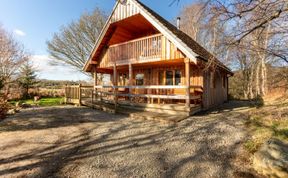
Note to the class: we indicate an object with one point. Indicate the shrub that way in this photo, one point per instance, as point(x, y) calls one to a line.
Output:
point(3, 108)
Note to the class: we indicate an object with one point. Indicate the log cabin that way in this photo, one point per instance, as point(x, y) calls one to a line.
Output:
point(143, 62)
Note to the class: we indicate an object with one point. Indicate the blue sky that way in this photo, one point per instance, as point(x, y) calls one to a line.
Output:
point(33, 22)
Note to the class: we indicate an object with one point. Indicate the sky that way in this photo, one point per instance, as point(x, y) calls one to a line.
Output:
point(33, 23)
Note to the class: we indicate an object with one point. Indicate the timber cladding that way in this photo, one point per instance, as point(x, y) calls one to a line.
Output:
point(148, 60)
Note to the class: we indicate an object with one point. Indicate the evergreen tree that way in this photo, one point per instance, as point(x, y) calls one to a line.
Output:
point(27, 78)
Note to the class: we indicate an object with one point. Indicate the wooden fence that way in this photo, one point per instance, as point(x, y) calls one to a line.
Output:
point(75, 93)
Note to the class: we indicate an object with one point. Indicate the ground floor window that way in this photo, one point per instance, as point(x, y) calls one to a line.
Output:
point(170, 77)
point(123, 79)
point(139, 79)
point(177, 78)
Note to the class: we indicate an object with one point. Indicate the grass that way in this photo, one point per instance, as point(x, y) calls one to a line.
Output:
point(270, 121)
point(41, 102)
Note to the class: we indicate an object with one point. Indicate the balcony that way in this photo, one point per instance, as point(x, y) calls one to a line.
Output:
point(145, 49)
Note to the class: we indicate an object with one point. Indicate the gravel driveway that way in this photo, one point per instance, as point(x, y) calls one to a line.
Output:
point(70, 141)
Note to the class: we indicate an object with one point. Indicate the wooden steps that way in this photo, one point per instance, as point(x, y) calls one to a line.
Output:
point(106, 107)
point(160, 117)
point(163, 113)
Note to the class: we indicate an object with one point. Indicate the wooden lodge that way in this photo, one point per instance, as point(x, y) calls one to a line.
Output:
point(143, 62)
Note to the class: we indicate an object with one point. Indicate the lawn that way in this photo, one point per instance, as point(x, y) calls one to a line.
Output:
point(269, 121)
point(42, 102)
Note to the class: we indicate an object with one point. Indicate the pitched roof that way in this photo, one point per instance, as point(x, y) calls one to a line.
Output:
point(186, 44)
point(190, 42)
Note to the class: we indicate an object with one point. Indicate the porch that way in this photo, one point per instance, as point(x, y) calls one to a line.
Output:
point(114, 99)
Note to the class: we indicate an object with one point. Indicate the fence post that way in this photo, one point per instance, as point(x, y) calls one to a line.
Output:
point(65, 99)
point(80, 94)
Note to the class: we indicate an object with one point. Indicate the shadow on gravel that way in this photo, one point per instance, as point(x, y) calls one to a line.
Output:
point(211, 149)
point(54, 117)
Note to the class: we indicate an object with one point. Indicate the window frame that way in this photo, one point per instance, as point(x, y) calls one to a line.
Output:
point(137, 80)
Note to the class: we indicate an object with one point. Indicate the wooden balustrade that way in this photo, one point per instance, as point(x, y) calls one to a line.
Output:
point(139, 49)
point(74, 94)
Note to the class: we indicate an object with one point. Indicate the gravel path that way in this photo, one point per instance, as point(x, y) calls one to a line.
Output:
point(72, 141)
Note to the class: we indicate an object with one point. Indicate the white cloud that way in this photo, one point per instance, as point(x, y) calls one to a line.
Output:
point(19, 32)
point(53, 72)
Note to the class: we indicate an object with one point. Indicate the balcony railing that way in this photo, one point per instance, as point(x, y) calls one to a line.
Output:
point(143, 49)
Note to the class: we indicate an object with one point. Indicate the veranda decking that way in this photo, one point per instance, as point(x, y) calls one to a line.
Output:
point(115, 99)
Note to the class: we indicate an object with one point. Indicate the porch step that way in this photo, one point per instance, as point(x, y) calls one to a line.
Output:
point(164, 109)
point(160, 117)
point(106, 107)
point(157, 114)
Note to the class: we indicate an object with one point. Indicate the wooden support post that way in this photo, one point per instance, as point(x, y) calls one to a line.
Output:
point(130, 81)
point(115, 84)
point(187, 76)
point(95, 84)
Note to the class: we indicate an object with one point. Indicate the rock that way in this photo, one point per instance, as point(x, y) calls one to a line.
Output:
point(25, 105)
point(11, 111)
point(272, 159)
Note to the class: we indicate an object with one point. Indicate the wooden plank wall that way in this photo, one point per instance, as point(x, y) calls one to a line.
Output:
point(104, 59)
point(196, 79)
point(123, 11)
point(214, 96)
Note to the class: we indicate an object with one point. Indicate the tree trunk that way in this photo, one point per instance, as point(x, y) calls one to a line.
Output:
point(263, 64)
point(250, 84)
point(257, 80)
point(263, 77)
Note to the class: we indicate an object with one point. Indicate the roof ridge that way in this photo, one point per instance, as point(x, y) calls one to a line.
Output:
point(185, 38)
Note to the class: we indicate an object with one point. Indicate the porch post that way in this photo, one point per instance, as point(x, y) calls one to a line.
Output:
point(187, 76)
point(115, 85)
point(95, 79)
point(130, 81)
point(95, 84)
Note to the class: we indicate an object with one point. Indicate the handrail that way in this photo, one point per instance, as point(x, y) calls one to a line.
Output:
point(136, 40)
point(150, 87)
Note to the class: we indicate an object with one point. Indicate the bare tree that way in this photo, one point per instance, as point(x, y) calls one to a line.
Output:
point(246, 34)
point(12, 56)
point(73, 44)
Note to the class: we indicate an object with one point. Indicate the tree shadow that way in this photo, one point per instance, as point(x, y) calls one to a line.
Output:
point(53, 117)
point(131, 147)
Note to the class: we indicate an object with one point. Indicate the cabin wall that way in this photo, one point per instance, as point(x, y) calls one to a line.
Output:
point(124, 11)
point(215, 89)
point(104, 60)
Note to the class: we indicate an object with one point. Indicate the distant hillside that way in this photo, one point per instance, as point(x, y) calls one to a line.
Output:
point(43, 83)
